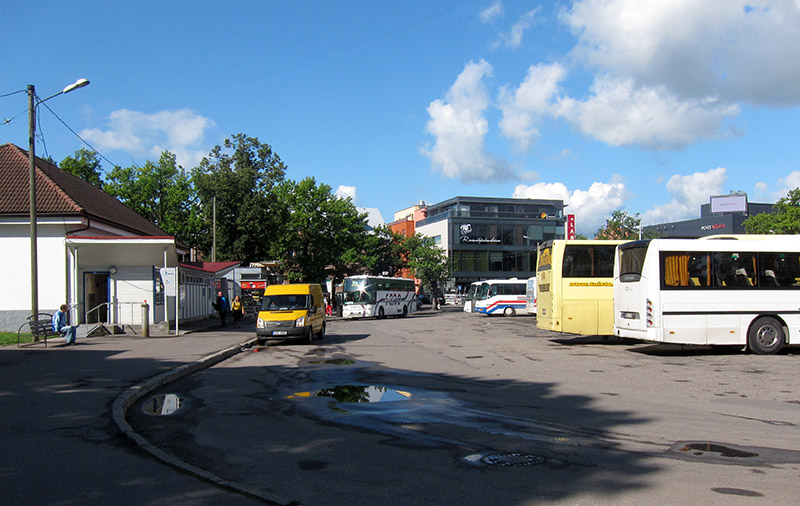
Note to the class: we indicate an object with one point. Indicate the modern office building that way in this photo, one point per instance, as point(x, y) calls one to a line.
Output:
point(489, 238)
point(724, 214)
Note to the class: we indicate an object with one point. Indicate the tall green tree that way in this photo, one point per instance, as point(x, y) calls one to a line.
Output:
point(785, 219)
point(84, 164)
point(161, 192)
point(620, 225)
point(235, 185)
point(428, 262)
point(385, 252)
point(322, 235)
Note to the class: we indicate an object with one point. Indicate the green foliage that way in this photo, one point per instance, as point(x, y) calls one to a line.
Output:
point(161, 192)
point(620, 225)
point(427, 261)
point(385, 252)
point(321, 234)
point(85, 165)
point(785, 219)
point(238, 181)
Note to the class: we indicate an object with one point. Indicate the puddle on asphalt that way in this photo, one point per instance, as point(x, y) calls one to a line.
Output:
point(162, 405)
point(701, 449)
point(357, 394)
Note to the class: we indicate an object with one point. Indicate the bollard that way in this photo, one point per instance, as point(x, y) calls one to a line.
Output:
point(145, 320)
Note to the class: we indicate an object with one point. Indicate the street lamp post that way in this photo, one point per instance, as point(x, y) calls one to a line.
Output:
point(32, 104)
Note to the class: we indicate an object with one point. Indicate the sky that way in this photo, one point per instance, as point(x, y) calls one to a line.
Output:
point(648, 106)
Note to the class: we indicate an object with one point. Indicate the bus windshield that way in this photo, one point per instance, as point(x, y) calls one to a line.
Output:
point(631, 261)
point(358, 291)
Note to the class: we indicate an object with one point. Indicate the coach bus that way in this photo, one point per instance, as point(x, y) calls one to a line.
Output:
point(365, 296)
point(575, 286)
point(530, 296)
point(710, 292)
point(469, 299)
point(501, 296)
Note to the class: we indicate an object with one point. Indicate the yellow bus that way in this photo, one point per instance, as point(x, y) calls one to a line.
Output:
point(575, 284)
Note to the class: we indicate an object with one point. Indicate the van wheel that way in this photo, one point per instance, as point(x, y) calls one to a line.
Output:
point(510, 311)
point(321, 331)
point(309, 335)
point(765, 336)
point(262, 342)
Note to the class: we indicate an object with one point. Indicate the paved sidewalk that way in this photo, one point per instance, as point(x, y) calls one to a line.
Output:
point(59, 444)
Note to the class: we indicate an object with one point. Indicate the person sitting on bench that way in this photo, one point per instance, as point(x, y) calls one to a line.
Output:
point(62, 326)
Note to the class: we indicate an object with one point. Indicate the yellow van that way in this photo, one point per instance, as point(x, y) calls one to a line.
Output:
point(291, 312)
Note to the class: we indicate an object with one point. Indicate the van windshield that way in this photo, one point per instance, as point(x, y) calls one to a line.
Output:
point(285, 302)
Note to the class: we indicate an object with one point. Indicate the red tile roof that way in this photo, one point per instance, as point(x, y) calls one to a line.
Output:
point(59, 193)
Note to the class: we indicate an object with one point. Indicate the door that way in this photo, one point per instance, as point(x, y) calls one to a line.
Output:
point(95, 299)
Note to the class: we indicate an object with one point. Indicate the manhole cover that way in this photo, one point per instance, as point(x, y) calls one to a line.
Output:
point(512, 459)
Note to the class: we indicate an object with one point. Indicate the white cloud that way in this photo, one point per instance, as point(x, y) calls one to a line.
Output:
point(688, 194)
point(735, 50)
point(532, 99)
point(591, 207)
point(492, 12)
point(180, 132)
point(513, 38)
point(785, 185)
point(619, 113)
point(459, 127)
point(344, 191)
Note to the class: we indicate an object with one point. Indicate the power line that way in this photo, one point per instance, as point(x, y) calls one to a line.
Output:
point(78, 136)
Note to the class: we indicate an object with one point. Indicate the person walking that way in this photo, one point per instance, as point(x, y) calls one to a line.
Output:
point(61, 324)
point(222, 306)
point(237, 311)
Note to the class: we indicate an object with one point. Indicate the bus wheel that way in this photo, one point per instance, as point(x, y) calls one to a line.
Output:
point(509, 311)
point(405, 311)
point(381, 314)
point(765, 336)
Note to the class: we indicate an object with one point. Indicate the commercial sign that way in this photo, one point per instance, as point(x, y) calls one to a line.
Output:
point(715, 226)
point(466, 230)
point(570, 226)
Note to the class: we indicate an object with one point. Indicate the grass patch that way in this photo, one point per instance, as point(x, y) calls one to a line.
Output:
point(9, 338)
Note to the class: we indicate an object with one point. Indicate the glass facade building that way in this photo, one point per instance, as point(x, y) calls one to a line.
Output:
point(488, 238)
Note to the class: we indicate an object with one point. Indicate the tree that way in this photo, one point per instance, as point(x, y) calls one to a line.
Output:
point(321, 235)
point(785, 219)
point(235, 186)
point(620, 225)
point(385, 252)
point(161, 192)
point(428, 262)
point(85, 165)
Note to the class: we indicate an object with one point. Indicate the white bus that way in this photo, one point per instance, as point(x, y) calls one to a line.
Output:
point(506, 296)
point(472, 293)
point(379, 296)
point(709, 292)
point(530, 296)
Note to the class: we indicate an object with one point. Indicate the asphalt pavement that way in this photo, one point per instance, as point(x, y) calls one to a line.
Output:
point(63, 439)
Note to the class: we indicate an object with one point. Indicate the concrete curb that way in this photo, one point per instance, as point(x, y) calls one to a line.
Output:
point(132, 394)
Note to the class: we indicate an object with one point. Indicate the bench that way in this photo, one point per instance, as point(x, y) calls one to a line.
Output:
point(40, 326)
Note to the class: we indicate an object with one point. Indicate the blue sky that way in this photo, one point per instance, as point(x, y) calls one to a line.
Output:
point(647, 106)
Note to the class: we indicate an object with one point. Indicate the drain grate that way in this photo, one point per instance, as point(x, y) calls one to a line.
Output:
point(512, 459)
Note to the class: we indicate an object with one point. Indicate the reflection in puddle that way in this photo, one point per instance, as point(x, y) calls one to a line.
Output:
point(162, 405)
point(700, 449)
point(357, 394)
point(335, 361)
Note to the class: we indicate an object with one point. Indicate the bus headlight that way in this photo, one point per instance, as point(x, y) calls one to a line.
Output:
point(300, 322)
